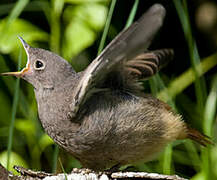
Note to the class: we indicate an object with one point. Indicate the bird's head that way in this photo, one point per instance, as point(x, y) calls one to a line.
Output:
point(44, 69)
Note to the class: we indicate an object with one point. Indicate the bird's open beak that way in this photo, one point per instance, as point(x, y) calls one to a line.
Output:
point(17, 74)
point(24, 70)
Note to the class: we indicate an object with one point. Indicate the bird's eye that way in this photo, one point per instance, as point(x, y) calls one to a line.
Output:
point(39, 65)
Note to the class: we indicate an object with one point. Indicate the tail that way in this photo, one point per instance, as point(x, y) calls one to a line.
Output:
point(198, 137)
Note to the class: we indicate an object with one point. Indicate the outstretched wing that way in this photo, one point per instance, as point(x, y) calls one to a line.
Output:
point(126, 46)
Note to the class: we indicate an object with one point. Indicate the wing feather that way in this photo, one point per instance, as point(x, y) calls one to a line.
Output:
point(148, 63)
point(127, 45)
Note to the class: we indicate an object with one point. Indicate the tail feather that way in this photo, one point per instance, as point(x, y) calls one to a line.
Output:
point(199, 137)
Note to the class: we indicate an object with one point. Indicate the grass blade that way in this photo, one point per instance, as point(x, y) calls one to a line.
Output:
point(187, 78)
point(208, 122)
point(167, 160)
point(16, 11)
point(14, 110)
point(210, 109)
point(193, 155)
point(64, 172)
point(132, 14)
point(107, 24)
point(200, 89)
point(55, 158)
point(56, 11)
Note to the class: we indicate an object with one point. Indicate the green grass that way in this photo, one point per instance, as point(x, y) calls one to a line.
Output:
point(107, 24)
point(13, 114)
point(13, 15)
point(24, 135)
point(132, 14)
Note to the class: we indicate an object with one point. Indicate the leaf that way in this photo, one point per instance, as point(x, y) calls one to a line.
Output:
point(84, 1)
point(77, 37)
point(199, 176)
point(8, 35)
point(80, 33)
point(92, 14)
point(26, 126)
point(15, 159)
point(45, 141)
point(214, 159)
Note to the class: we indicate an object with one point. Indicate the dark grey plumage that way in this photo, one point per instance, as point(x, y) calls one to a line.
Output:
point(100, 115)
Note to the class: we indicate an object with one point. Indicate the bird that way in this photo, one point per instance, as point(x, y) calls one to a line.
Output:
point(101, 115)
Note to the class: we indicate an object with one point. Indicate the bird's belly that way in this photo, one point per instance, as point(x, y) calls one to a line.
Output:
point(119, 132)
point(105, 156)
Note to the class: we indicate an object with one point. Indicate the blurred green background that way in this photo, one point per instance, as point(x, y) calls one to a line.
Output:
point(73, 29)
